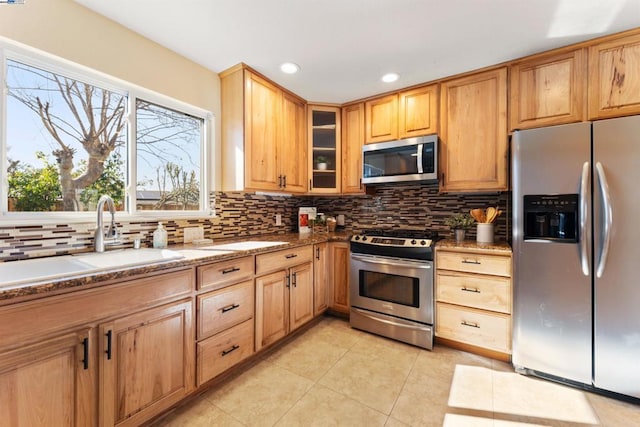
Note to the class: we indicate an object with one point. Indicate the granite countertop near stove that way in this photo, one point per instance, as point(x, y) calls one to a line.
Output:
point(499, 248)
point(192, 255)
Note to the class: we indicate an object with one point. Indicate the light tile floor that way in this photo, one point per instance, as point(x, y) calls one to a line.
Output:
point(332, 375)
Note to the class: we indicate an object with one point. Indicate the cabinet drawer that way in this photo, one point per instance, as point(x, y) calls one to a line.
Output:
point(222, 351)
point(474, 263)
point(224, 308)
point(476, 327)
point(278, 260)
point(220, 274)
point(483, 292)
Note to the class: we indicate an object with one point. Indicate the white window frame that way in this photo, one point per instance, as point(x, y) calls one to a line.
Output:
point(10, 50)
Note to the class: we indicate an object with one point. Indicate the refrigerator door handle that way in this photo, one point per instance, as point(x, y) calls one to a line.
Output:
point(584, 181)
point(608, 219)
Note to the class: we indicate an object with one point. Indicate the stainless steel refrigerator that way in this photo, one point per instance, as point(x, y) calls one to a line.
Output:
point(576, 243)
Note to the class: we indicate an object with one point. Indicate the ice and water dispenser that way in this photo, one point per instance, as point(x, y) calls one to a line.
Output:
point(551, 217)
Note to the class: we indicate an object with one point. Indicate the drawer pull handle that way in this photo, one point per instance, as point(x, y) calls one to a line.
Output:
point(470, 324)
point(230, 307)
point(466, 261)
point(230, 270)
point(291, 256)
point(231, 350)
point(464, 288)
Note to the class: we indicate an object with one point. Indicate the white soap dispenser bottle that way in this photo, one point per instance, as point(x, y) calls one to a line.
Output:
point(160, 237)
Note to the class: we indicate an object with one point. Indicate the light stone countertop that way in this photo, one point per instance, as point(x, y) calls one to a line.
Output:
point(500, 248)
point(193, 255)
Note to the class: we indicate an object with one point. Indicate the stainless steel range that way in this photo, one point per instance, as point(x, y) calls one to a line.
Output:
point(391, 284)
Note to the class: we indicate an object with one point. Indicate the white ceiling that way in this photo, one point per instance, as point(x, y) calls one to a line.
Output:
point(344, 46)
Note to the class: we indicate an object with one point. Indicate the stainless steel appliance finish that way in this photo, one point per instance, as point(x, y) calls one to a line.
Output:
point(576, 300)
point(393, 295)
point(411, 159)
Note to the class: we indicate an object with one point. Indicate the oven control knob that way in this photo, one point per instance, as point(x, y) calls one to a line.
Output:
point(422, 242)
point(364, 238)
point(413, 242)
point(357, 237)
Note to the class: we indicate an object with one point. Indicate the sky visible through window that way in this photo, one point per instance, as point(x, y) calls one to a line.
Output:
point(53, 122)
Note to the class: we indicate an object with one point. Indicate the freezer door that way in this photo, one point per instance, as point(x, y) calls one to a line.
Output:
point(617, 289)
point(552, 295)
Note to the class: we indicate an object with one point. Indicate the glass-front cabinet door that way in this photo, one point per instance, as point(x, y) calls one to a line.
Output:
point(324, 139)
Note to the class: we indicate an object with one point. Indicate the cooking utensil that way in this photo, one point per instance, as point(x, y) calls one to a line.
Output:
point(491, 214)
point(477, 214)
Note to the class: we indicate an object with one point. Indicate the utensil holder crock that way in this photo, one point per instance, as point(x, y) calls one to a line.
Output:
point(484, 233)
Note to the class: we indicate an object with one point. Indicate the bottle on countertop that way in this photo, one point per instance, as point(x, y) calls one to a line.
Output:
point(160, 237)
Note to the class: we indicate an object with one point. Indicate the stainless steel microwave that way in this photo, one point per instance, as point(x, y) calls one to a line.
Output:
point(411, 159)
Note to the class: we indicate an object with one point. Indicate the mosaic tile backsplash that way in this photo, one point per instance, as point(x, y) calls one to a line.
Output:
point(247, 214)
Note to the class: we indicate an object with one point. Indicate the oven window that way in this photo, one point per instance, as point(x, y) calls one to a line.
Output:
point(389, 287)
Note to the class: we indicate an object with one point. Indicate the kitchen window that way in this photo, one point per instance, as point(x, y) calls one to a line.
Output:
point(70, 134)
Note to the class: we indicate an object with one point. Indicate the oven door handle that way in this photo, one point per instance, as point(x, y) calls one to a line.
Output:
point(395, 262)
point(390, 322)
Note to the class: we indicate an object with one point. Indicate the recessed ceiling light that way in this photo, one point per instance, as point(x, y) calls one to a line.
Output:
point(390, 77)
point(289, 68)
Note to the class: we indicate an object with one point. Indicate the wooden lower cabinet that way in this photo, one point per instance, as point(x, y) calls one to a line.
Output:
point(224, 350)
point(146, 363)
point(320, 278)
point(473, 299)
point(50, 383)
point(225, 316)
point(300, 295)
point(272, 306)
point(284, 293)
point(118, 354)
point(339, 281)
point(284, 302)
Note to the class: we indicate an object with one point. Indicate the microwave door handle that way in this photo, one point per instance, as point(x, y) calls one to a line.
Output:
point(419, 158)
point(583, 218)
point(608, 219)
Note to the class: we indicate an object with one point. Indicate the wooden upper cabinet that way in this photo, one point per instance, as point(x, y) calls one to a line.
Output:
point(614, 78)
point(352, 142)
point(263, 105)
point(381, 119)
point(406, 114)
point(474, 145)
point(548, 90)
point(292, 155)
point(263, 134)
point(418, 112)
point(324, 149)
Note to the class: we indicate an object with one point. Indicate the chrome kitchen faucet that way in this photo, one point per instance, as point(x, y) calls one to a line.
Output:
point(110, 237)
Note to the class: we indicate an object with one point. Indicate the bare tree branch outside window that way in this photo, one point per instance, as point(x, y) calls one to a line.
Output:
point(83, 128)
